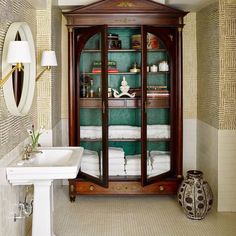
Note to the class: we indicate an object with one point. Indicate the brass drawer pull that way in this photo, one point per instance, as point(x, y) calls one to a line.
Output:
point(91, 188)
point(161, 188)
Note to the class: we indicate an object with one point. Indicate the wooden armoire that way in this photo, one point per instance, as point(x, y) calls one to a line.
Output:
point(125, 97)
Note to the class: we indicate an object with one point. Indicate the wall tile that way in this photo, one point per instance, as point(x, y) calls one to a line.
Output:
point(207, 154)
point(227, 173)
point(189, 144)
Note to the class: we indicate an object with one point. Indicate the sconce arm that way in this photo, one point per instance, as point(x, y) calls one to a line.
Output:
point(40, 74)
point(18, 67)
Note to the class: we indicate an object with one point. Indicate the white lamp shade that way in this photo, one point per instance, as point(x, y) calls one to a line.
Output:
point(18, 52)
point(48, 58)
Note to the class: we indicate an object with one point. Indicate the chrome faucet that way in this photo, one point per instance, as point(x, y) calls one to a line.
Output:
point(28, 151)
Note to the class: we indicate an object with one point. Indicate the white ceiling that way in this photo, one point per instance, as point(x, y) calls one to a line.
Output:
point(187, 5)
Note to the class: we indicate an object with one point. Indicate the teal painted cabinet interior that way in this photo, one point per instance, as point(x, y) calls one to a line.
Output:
point(125, 55)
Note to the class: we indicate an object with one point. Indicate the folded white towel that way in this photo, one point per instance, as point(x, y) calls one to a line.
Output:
point(116, 172)
point(158, 131)
point(161, 165)
point(115, 153)
point(160, 157)
point(133, 172)
point(157, 152)
point(116, 167)
point(136, 168)
point(133, 160)
point(125, 132)
point(91, 132)
point(136, 159)
point(89, 166)
point(116, 161)
point(90, 156)
point(157, 172)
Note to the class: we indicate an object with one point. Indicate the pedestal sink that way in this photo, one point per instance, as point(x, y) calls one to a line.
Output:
point(41, 170)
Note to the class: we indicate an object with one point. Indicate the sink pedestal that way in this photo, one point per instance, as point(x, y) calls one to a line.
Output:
point(43, 208)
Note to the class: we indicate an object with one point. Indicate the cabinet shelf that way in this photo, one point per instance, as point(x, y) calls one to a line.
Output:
point(159, 102)
point(125, 73)
point(123, 50)
point(126, 140)
point(112, 73)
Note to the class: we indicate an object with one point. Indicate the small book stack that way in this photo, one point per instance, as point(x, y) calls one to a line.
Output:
point(111, 67)
point(157, 91)
point(152, 91)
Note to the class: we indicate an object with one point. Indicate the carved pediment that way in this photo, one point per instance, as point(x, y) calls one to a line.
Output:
point(123, 6)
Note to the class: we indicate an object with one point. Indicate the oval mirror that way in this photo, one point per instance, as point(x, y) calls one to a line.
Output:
point(19, 105)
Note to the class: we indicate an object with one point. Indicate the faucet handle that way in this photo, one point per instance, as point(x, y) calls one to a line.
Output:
point(27, 152)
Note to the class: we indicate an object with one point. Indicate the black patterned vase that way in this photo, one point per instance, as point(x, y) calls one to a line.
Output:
point(195, 195)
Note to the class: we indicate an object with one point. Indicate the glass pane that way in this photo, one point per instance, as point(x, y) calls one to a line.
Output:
point(90, 107)
point(124, 78)
point(158, 111)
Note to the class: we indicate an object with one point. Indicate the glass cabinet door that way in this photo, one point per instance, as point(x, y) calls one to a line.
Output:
point(92, 104)
point(157, 121)
point(124, 111)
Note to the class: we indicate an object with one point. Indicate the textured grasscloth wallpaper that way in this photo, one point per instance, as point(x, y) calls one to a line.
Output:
point(13, 129)
point(189, 67)
point(44, 83)
point(56, 72)
point(216, 43)
point(208, 65)
point(49, 86)
point(227, 85)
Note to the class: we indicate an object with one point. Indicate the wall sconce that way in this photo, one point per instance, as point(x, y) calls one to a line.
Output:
point(48, 60)
point(18, 54)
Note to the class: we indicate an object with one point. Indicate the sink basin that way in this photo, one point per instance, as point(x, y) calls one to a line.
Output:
point(53, 163)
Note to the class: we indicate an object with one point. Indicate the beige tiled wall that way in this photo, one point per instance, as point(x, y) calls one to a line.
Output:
point(207, 154)
point(226, 170)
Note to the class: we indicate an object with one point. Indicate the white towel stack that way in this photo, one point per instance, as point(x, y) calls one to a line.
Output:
point(91, 132)
point(133, 164)
point(125, 132)
point(116, 160)
point(90, 163)
point(158, 131)
point(160, 162)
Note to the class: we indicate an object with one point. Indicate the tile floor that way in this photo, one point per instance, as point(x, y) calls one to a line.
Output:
point(133, 216)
